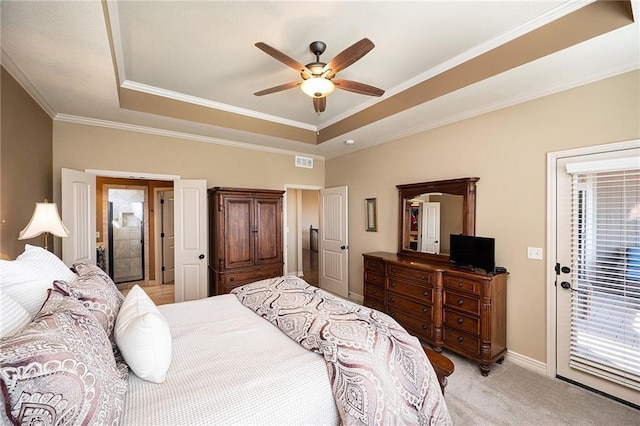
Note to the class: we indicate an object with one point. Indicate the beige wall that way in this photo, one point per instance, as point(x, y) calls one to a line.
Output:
point(25, 165)
point(507, 150)
point(80, 147)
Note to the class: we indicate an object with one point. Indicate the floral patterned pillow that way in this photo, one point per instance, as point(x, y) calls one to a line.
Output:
point(60, 369)
point(97, 292)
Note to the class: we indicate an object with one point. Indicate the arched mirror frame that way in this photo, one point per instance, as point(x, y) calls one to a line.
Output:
point(463, 186)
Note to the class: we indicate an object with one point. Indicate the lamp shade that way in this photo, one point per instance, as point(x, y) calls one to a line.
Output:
point(317, 87)
point(45, 219)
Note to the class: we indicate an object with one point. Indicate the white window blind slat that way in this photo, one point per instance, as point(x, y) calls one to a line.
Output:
point(605, 307)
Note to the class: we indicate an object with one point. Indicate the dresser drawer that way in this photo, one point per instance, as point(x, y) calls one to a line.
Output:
point(416, 290)
point(461, 302)
point(420, 310)
point(410, 273)
point(462, 322)
point(373, 291)
point(374, 265)
point(373, 303)
point(415, 326)
point(456, 339)
point(374, 279)
point(463, 284)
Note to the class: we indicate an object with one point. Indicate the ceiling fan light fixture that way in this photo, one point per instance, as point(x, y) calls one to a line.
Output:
point(317, 87)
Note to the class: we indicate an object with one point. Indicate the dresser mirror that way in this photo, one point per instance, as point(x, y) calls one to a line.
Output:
point(431, 211)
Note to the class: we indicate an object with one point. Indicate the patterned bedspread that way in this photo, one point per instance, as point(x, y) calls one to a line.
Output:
point(379, 373)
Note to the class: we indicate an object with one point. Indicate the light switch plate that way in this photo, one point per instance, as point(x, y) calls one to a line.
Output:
point(534, 253)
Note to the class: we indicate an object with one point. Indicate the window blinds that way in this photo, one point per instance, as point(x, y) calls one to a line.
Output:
point(605, 308)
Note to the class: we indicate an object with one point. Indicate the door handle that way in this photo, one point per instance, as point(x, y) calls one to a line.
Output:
point(201, 257)
point(344, 247)
point(565, 285)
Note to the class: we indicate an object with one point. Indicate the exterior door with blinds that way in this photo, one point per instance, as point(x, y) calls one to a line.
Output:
point(598, 266)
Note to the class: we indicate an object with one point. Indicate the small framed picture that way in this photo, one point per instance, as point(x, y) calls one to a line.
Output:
point(371, 210)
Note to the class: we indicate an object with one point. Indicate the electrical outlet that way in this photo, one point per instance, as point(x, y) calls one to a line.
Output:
point(534, 253)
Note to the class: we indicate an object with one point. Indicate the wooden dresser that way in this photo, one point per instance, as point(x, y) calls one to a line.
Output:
point(444, 306)
point(245, 237)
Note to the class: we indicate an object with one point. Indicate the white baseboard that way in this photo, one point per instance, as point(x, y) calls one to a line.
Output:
point(357, 298)
point(525, 361)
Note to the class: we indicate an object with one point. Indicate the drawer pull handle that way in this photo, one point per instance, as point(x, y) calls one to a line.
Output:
point(460, 339)
point(394, 270)
point(374, 278)
point(460, 302)
point(459, 284)
point(422, 277)
point(425, 310)
point(425, 293)
point(460, 320)
point(393, 284)
point(392, 300)
point(393, 314)
point(373, 290)
point(232, 279)
point(425, 326)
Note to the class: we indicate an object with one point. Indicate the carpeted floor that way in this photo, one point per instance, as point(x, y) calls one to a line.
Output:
point(515, 395)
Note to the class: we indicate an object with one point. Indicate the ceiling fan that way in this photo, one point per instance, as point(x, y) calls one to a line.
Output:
point(318, 78)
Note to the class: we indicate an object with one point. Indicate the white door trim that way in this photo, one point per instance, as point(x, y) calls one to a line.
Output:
point(156, 232)
point(552, 157)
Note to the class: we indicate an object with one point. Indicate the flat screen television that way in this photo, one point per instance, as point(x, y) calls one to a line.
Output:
point(468, 251)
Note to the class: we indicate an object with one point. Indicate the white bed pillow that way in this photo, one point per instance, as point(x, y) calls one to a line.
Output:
point(28, 278)
point(47, 263)
point(13, 317)
point(143, 336)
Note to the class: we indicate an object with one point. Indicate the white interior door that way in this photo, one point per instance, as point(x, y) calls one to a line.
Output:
point(431, 227)
point(334, 241)
point(79, 215)
point(593, 321)
point(168, 238)
point(190, 216)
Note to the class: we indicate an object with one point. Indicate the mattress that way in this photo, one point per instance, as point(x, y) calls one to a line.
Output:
point(230, 366)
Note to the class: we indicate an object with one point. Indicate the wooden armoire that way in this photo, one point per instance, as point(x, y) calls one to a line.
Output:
point(245, 237)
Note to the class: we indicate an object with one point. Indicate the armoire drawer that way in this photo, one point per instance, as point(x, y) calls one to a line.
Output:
point(235, 279)
point(402, 272)
point(461, 302)
point(373, 303)
point(373, 291)
point(415, 290)
point(420, 310)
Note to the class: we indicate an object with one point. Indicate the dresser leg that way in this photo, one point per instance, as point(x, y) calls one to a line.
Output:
point(484, 370)
point(499, 361)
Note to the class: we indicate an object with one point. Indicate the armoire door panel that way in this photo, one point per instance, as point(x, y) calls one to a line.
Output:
point(239, 241)
point(268, 219)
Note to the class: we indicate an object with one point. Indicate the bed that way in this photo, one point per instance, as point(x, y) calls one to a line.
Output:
point(277, 351)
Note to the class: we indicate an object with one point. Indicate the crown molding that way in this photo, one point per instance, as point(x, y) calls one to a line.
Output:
point(178, 135)
point(16, 72)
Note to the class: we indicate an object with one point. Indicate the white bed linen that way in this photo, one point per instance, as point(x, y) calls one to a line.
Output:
point(231, 367)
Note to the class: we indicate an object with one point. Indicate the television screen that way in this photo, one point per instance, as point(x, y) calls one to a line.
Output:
point(473, 252)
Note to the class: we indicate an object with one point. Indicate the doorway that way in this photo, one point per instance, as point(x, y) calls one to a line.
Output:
point(302, 217)
point(125, 229)
point(594, 287)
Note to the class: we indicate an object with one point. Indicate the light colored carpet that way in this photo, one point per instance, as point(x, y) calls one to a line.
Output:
point(515, 395)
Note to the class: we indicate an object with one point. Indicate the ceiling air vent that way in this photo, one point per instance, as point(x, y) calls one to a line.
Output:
point(305, 162)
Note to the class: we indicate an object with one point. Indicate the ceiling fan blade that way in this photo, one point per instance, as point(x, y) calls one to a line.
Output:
point(356, 87)
point(278, 88)
point(276, 54)
point(319, 104)
point(350, 55)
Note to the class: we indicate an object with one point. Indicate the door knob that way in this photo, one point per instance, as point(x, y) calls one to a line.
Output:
point(344, 247)
point(565, 285)
point(201, 256)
